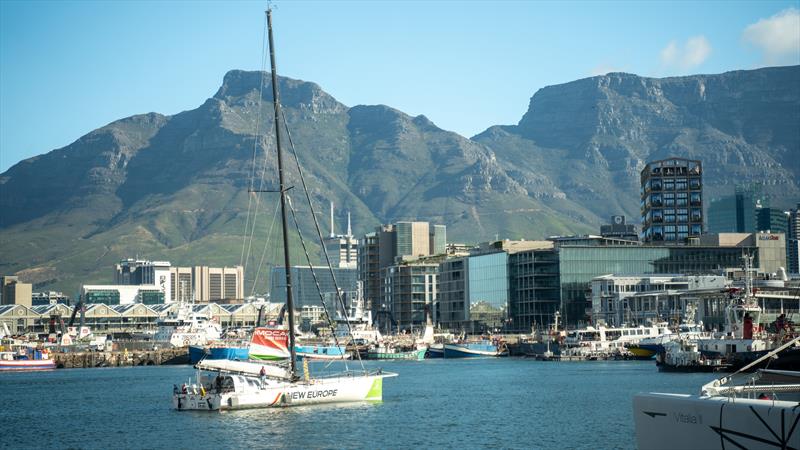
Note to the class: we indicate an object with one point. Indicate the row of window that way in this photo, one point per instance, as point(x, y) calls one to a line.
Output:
point(673, 199)
point(671, 184)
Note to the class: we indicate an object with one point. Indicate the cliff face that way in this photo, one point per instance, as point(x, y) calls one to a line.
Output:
point(591, 137)
point(176, 187)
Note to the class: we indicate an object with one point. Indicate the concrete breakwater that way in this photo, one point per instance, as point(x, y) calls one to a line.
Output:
point(72, 360)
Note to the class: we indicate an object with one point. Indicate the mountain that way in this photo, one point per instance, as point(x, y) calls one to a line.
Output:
point(587, 141)
point(176, 187)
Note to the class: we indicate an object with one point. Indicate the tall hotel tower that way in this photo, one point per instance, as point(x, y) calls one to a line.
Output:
point(672, 201)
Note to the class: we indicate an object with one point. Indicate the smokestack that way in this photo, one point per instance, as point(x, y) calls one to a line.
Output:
point(332, 233)
point(349, 230)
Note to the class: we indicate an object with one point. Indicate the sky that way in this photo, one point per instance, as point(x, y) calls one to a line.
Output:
point(69, 67)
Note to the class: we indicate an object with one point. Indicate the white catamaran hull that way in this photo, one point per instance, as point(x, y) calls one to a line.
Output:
point(674, 421)
point(356, 388)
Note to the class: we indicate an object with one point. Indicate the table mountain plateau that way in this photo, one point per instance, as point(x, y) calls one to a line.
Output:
point(176, 187)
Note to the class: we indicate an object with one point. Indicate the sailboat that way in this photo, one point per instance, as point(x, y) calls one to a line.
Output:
point(272, 379)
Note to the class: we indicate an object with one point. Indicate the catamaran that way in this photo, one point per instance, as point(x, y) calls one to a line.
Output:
point(270, 378)
point(761, 411)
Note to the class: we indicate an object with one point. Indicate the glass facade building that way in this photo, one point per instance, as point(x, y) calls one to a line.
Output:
point(579, 264)
point(534, 294)
point(304, 289)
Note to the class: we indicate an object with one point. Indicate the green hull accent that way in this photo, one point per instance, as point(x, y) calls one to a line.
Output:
point(267, 357)
point(416, 355)
point(375, 393)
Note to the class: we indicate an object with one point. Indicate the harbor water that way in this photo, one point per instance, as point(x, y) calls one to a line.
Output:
point(465, 403)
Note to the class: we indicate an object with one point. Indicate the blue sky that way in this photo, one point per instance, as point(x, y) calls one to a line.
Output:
point(67, 68)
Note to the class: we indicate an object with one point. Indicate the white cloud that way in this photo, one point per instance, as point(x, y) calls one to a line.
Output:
point(694, 52)
point(778, 37)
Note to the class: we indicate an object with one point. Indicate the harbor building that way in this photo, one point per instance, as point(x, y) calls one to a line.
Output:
point(304, 287)
point(634, 300)
point(201, 284)
point(409, 288)
point(111, 294)
point(672, 201)
point(49, 298)
point(618, 229)
point(473, 292)
point(14, 291)
point(134, 317)
point(391, 244)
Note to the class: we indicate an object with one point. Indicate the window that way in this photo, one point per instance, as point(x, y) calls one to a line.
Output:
point(669, 215)
point(683, 215)
point(680, 184)
point(696, 215)
point(657, 216)
point(682, 196)
point(656, 184)
point(669, 199)
point(694, 183)
point(669, 185)
point(694, 199)
point(656, 199)
point(696, 229)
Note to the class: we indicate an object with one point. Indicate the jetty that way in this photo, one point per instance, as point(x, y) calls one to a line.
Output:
point(86, 359)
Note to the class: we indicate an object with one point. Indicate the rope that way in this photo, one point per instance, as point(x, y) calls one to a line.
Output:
point(266, 245)
point(319, 235)
point(242, 260)
point(314, 275)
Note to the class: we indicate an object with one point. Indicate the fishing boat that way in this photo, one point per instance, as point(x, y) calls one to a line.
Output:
point(271, 377)
point(435, 351)
point(391, 352)
point(753, 411)
point(321, 351)
point(475, 349)
point(27, 359)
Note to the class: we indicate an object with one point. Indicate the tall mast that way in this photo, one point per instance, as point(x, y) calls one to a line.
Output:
point(276, 102)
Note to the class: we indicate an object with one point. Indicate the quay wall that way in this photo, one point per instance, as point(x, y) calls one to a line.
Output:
point(72, 360)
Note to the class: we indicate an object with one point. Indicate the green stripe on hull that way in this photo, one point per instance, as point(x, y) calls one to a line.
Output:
point(375, 393)
point(267, 357)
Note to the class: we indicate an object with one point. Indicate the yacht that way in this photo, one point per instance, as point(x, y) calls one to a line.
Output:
point(753, 411)
point(187, 328)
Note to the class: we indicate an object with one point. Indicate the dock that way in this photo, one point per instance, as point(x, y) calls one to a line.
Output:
point(86, 359)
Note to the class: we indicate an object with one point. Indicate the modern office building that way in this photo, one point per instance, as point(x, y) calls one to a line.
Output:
point(772, 220)
point(643, 299)
point(735, 213)
point(304, 286)
point(391, 244)
point(618, 229)
point(135, 272)
point(409, 288)
point(14, 292)
point(473, 292)
point(534, 288)
point(672, 201)
point(201, 284)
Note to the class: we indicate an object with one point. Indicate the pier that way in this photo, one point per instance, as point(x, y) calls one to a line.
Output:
point(73, 360)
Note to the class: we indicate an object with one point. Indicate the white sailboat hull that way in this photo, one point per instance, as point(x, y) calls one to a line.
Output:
point(673, 421)
point(346, 388)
